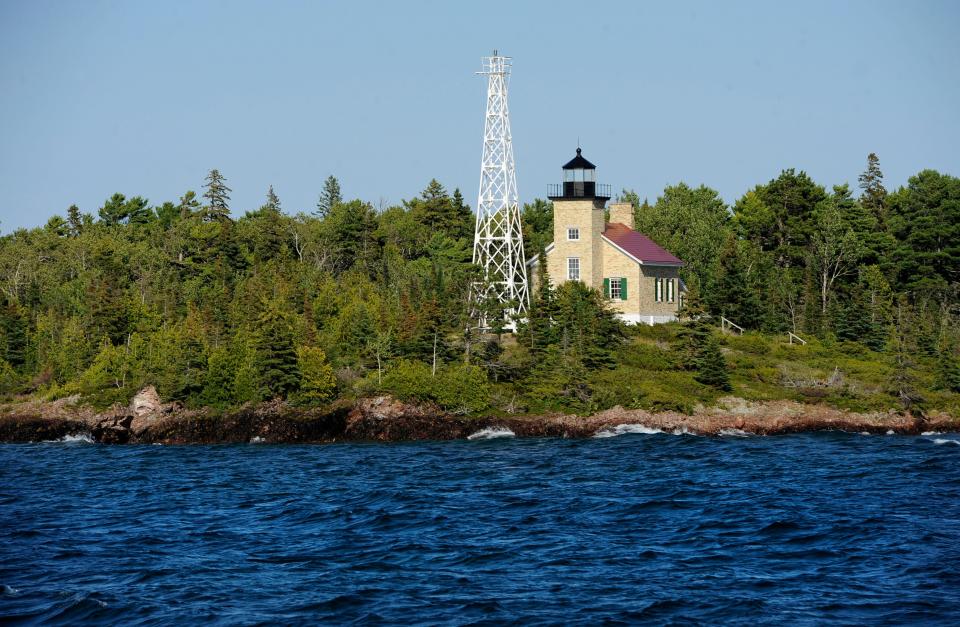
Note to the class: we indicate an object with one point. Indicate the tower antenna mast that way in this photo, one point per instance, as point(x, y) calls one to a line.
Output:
point(498, 241)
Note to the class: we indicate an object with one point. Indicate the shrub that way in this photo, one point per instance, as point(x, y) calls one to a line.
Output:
point(409, 380)
point(648, 357)
point(317, 383)
point(752, 343)
point(462, 388)
point(9, 379)
point(459, 388)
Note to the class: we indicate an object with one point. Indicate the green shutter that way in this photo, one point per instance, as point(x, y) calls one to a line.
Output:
point(623, 288)
point(606, 288)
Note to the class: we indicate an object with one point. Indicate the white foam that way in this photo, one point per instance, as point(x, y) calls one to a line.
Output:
point(890, 432)
point(79, 438)
point(491, 433)
point(257, 440)
point(739, 433)
point(683, 431)
point(932, 433)
point(625, 429)
point(946, 441)
point(864, 433)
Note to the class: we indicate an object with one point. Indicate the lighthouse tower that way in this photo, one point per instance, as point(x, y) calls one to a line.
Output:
point(498, 241)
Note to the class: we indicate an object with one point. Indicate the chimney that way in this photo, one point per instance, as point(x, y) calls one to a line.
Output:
point(622, 212)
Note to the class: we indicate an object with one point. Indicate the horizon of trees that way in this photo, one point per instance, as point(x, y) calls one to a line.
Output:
point(216, 310)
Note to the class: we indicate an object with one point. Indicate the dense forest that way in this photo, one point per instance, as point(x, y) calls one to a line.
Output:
point(350, 300)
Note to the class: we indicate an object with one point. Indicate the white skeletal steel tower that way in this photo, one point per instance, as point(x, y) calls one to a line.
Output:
point(498, 242)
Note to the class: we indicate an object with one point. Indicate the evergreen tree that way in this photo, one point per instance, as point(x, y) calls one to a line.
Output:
point(874, 195)
point(695, 330)
point(114, 210)
point(14, 329)
point(75, 220)
point(924, 218)
point(279, 373)
point(329, 197)
point(538, 333)
point(221, 372)
point(317, 383)
point(948, 366)
point(537, 221)
point(273, 202)
point(735, 293)
point(903, 382)
point(712, 367)
point(218, 196)
point(188, 205)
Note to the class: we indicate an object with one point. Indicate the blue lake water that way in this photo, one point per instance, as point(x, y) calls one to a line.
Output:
point(658, 528)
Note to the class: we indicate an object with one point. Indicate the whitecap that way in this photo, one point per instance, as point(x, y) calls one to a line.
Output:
point(932, 433)
point(78, 438)
point(683, 431)
point(946, 441)
point(491, 433)
point(6, 590)
point(728, 431)
point(890, 432)
point(864, 433)
point(625, 429)
point(257, 440)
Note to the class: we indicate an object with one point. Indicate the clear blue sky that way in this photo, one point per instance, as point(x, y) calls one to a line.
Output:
point(145, 97)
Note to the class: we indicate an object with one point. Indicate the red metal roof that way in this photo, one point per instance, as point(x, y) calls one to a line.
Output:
point(639, 245)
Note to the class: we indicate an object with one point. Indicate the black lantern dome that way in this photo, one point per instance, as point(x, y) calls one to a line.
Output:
point(579, 181)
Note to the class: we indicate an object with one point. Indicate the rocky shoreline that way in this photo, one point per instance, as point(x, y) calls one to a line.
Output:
point(384, 419)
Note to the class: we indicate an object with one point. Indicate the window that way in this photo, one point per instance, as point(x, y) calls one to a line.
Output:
point(573, 268)
point(670, 294)
point(573, 233)
point(658, 290)
point(614, 289)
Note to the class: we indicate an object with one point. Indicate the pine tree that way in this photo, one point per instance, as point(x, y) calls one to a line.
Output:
point(538, 332)
point(188, 204)
point(712, 367)
point(874, 195)
point(695, 330)
point(75, 220)
point(273, 202)
point(317, 383)
point(114, 210)
point(218, 195)
point(279, 374)
point(903, 383)
point(948, 371)
point(329, 197)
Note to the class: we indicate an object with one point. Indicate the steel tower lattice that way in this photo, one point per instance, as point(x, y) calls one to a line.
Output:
point(498, 241)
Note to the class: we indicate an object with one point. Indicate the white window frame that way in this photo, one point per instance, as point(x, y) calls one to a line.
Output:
point(615, 288)
point(670, 291)
point(658, 282)
point(574, 230)
point(573, 267)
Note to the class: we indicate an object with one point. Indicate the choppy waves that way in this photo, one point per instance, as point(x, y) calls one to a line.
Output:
point(810, 528)
point(78, 438)
point(492, 433)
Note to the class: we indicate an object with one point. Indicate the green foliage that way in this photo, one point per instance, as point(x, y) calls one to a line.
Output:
point(712, 367)
point(9, 379)
point(537, 220)
point(329, 197)
point(317, 383)
point(211, 310)
point(459, 388)
point(218, 196)
point(276, 356)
